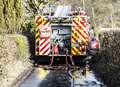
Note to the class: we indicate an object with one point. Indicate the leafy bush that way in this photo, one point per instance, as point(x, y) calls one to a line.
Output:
point(29, 26)
point(108, 66)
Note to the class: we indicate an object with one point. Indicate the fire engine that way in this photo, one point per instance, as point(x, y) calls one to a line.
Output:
point(64, 37)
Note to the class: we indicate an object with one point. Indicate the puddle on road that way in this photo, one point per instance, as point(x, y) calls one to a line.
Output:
point(45, 78)
point(87, 80)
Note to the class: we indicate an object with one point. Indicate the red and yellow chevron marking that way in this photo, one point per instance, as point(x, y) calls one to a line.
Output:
point(37, 35)
point(45, 43)
point(80, 30)
point(79, 33)
point(78, 51)
point(74, 39)
point(81, 27)
point(75, 51)
point(74, 36)
point(40, 23)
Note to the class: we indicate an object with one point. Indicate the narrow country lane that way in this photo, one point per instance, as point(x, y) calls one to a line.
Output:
point(32, 80)
point(59, 78)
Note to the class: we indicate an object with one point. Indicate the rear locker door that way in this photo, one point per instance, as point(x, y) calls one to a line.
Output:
point(79, 37)
point(44, 36)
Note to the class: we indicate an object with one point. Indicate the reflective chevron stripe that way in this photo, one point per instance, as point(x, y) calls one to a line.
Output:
point(45, 43)
point(42, 24)
point(74, 36)
point(81, 29)
point(75, 50)
point(45, 46)
point(79, 34)
point(74, 39)
point(37, 35)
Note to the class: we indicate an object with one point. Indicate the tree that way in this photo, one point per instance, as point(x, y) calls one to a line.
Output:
point(34, 7)
point(11, 15)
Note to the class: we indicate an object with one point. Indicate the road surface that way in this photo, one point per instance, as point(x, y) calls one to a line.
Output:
point(60, 78)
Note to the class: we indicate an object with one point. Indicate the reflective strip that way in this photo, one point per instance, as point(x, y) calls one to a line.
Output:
point(45, 43)
point(39, 22)
point(37, 34)
point(37, 40)
point(75, 51)
point(45, 46)
point(79, 34)
point(73, 40)
point(47, 51)
point(82, 36)
point(83, 32)
point(42, 24)
point(74, 35)
point(42, 45)
point(38, 19)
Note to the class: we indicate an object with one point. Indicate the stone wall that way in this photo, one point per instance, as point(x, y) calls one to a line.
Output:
point(14, 58)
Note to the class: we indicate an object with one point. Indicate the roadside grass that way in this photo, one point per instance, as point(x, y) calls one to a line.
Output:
point(22, 47)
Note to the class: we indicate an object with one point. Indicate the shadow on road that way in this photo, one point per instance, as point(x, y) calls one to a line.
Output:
point(56, 79)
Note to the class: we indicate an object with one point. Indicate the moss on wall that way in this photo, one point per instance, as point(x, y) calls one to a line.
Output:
point(22, 47)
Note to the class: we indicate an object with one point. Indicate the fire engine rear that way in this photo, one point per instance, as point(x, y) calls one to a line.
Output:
point(63, 38)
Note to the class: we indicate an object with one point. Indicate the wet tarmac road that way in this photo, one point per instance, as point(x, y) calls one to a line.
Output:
point(60, 78)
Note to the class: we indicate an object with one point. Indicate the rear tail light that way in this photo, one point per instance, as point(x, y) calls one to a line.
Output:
point(95, 45)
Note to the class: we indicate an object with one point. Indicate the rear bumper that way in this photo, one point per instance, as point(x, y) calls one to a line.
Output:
point(60, 60)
